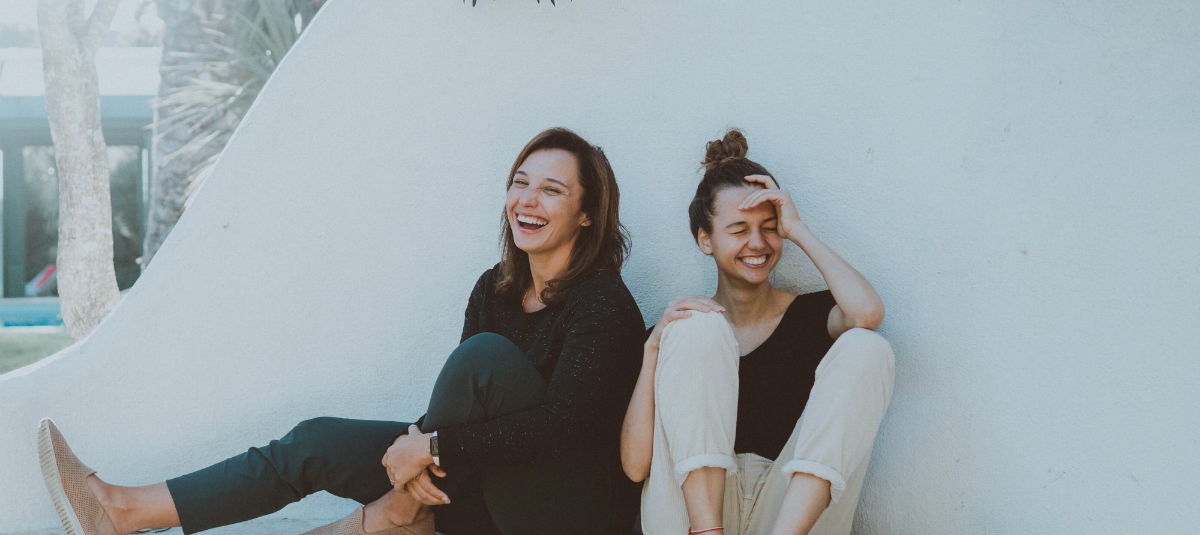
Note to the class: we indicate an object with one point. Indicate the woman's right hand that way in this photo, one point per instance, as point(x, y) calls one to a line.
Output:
point(407, 457)
point(678, 309)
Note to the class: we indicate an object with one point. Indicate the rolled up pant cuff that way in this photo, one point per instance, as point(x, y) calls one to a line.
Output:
point(837, 483)
point(704, 460)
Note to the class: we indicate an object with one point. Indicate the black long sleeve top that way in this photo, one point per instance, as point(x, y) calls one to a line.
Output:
point(587, 346)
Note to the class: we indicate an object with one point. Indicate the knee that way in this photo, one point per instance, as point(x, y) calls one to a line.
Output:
point(312, 429)
point(480, 351)
point(479, 359)
point(310, 436)
point(698, 355)
point(867, 351)
point(703, 333)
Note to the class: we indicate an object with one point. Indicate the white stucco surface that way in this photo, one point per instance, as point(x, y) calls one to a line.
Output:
point(1019, 181)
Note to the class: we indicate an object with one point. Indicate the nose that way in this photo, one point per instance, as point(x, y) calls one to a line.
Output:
point(528, 197)
point(756, 239)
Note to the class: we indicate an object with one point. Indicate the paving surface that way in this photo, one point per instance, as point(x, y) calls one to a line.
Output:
point(272, 526)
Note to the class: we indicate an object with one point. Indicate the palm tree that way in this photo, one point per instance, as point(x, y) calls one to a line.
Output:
point(217, 55)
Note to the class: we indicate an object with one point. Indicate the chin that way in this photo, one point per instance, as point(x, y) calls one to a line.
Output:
point(530, 248)
point(750, 279)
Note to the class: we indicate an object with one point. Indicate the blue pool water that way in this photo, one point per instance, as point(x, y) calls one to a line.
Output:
point(29, 312)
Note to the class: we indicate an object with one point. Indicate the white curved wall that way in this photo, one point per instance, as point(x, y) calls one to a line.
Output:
point(1018, 181)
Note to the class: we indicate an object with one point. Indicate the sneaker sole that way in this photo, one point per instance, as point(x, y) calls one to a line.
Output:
point(53, 480)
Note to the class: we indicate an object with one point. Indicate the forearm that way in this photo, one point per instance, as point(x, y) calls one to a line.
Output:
point(860, 304)
point(806, 498)
point(637, 430)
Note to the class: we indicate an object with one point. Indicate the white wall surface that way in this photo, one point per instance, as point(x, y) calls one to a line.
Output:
point(1018, 180)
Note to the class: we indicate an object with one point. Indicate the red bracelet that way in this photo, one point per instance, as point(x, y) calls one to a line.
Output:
point(698, 531)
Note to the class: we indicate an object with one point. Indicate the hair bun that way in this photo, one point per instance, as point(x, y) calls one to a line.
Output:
point(721, 151)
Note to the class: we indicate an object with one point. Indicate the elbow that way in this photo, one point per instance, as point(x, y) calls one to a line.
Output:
point(635, 462)
point(869, 318)
point(636, 472)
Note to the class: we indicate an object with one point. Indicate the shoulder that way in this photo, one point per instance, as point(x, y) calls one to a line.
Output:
point(602, 284)
point(487, 280)
point(812, 304)
point(603, 292)
point(485, 287)
point(809, 313)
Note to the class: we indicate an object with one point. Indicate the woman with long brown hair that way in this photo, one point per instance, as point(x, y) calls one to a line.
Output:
point(521, 430)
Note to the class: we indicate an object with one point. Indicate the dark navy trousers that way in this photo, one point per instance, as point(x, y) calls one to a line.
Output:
point(485, 377)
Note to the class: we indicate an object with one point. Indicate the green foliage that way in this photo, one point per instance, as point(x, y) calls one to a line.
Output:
point(207, 110)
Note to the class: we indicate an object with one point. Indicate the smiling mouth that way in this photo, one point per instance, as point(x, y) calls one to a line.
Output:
point(755, 261)
point(528, 222)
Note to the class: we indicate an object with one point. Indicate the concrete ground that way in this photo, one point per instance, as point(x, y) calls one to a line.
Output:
point(262, 526)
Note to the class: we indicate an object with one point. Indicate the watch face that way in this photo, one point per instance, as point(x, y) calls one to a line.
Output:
point(433, 446)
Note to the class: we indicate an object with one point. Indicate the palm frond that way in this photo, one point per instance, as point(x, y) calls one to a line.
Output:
point(207, 108)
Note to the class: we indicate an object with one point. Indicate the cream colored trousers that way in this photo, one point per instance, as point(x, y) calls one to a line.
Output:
point(695, 405)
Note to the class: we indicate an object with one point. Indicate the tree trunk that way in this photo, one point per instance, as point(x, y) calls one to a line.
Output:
point(186, 36)
point(87, 282)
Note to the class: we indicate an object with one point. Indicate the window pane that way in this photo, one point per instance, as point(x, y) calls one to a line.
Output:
point(41, 210)
point(125, 186)
point(41, 219)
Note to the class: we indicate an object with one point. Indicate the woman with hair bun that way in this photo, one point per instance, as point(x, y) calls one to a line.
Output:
point(756, 410)
point(521, 428)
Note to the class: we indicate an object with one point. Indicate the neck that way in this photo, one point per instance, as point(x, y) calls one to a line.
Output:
point(544, 268)
point(745, 304)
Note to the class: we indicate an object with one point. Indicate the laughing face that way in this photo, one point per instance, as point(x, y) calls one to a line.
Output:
point(545, 205)
point(745, 243)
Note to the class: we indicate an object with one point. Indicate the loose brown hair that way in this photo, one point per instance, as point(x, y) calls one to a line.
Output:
point(602, 245)
point(725, 166)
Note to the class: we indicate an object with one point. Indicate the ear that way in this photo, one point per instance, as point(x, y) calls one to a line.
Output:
point(703, 241)
point(586, 222)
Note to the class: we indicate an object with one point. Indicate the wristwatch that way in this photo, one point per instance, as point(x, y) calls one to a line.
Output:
point(433, 448)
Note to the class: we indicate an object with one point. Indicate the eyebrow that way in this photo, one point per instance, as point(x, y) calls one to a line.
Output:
point(745, 224)
point(551, 179)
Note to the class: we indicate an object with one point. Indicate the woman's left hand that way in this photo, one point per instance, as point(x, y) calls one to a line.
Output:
point(678, 309)
point(423, 489)
point(790, 224)
point(407, 457)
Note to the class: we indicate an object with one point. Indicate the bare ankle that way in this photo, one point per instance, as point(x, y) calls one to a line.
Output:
point(404, 515)
point(391, 510)
point(113, 503)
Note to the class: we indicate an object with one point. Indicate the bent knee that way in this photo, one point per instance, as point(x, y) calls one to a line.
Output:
point(700, 330)
point(868, 350)
point(481, 350)
point(483, 341)
point(314, 431)
point(866, 341)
